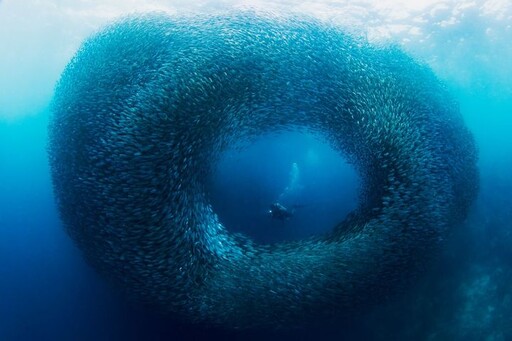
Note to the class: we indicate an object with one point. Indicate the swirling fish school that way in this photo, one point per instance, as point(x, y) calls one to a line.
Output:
point(147, 105)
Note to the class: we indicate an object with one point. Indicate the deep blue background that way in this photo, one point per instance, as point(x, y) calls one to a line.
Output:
point(246, 182)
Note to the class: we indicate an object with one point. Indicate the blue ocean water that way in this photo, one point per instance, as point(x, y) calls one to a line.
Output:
point(48, 292)
point(295, 169)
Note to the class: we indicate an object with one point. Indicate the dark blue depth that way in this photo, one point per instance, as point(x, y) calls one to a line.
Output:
point(299, 171)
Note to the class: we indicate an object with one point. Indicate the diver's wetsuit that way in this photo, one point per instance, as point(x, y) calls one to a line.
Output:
point(278, 211)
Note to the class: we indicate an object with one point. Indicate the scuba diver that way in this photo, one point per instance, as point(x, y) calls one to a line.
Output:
point(279, 212)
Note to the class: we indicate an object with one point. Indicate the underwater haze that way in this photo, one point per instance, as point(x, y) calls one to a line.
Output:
point(48, 291)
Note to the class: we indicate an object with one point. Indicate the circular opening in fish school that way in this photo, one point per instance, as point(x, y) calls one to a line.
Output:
point(149, 105)
point(282, 186)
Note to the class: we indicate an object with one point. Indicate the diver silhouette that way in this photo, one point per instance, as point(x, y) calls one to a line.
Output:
point(279, 212)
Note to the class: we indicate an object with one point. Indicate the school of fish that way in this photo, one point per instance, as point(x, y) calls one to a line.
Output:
point(147, 105)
